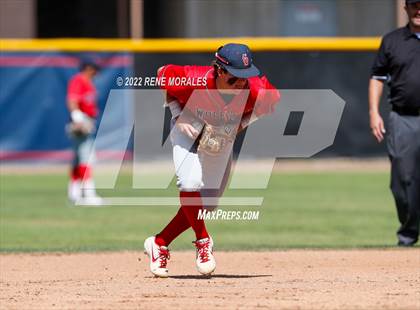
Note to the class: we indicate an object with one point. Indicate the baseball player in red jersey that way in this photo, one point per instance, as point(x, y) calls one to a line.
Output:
point(81, 102)
point(209, 106)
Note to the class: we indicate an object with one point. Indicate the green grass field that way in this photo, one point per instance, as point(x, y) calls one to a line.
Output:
point(322, 210)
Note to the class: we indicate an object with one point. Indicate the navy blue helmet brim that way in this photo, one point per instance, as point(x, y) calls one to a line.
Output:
point(243, 73)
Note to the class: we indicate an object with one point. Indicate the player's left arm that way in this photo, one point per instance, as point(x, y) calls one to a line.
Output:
point(247, 119)
point(266, 98)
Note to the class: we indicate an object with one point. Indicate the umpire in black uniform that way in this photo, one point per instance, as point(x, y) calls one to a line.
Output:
point(398, 64)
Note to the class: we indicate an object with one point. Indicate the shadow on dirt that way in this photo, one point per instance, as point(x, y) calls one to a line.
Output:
point(223, 276)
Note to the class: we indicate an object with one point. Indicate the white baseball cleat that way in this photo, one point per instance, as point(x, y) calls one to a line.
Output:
point(91, 201)
point(74, 191)
point(158, 255)
point(90, 197)
point(205, 261)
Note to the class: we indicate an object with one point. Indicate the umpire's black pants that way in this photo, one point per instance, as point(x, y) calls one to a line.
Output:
point(404, 152)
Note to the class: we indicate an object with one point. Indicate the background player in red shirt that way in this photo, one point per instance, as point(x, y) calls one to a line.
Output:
point(81, 102)
point(206, 117)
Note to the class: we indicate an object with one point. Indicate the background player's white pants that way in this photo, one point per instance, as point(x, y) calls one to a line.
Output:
point(82, 148)
point(200, 172)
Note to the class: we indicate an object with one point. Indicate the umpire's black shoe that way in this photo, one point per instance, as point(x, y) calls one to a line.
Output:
point(405, 241)
point(405, 244)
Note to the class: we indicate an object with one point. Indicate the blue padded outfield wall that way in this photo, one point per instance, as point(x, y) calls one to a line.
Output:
point(33, 93)
point(33, 88)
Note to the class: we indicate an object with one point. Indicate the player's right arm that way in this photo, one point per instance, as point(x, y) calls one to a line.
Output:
point(176, 96)
point(74, 94)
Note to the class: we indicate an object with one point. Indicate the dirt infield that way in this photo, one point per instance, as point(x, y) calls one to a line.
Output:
point(295, 279)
